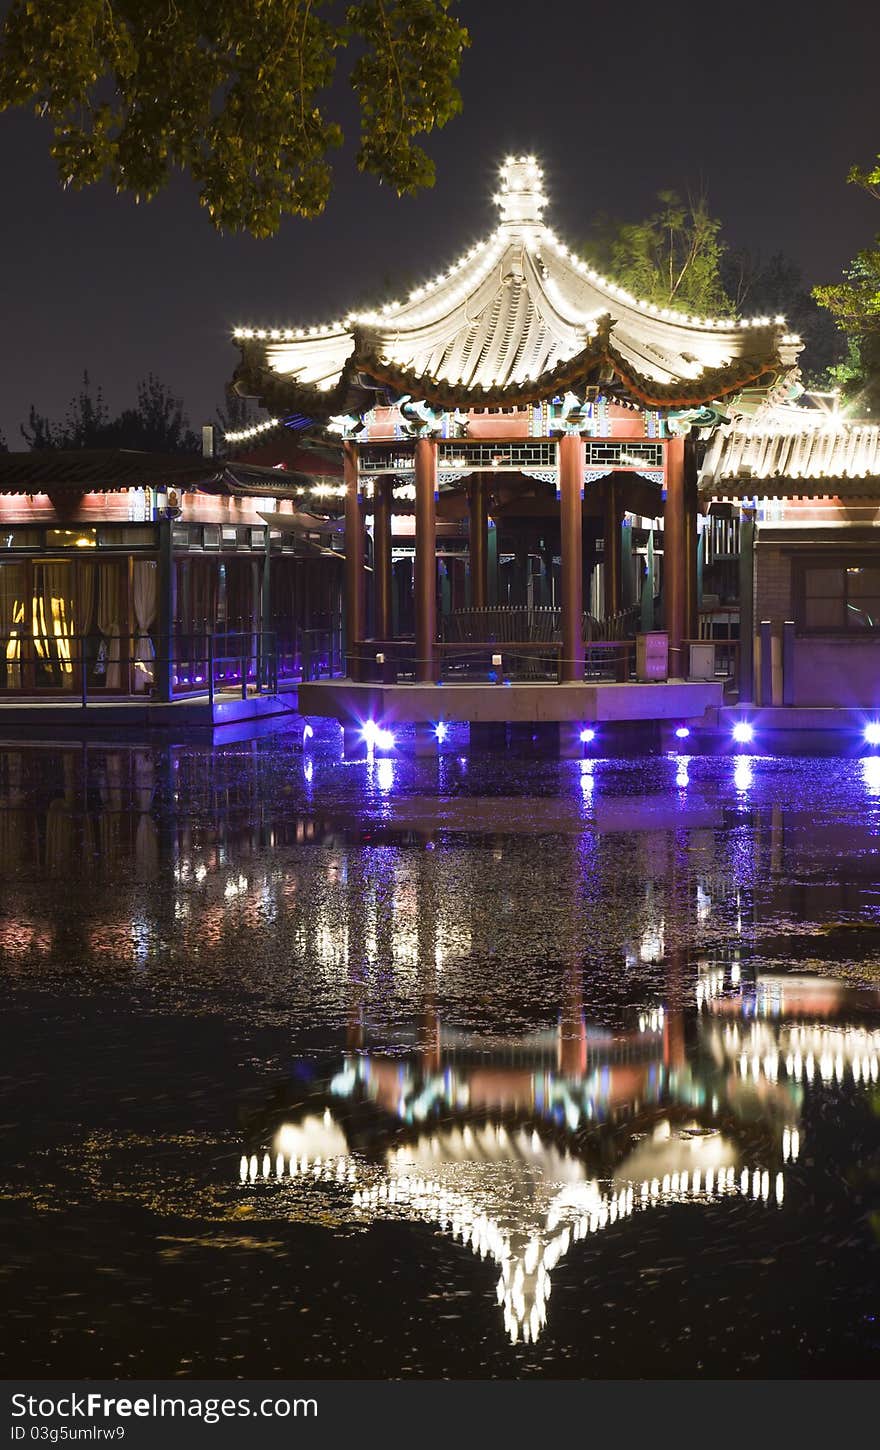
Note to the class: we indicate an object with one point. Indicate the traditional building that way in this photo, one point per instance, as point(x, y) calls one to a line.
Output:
point(531, 432)
point(793, 498)
point(128, 575)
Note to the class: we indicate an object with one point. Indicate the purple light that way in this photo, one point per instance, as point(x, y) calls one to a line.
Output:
point(743, 733)
point(377, 738)
point(682, 732)
point(872, 732)
point(440, 730)
point(588, 735)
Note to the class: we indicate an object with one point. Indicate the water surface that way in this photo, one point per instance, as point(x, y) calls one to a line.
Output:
point(495, 1065)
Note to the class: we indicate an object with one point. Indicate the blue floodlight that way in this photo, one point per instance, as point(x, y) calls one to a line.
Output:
point(377, 738)
point(682, 732)
point(743, 733)
point(872, 732)
point(588, 735)
point(441, 730)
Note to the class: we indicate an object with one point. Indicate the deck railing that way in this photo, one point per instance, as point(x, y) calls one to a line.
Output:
point(487, 662)
point(91, 668)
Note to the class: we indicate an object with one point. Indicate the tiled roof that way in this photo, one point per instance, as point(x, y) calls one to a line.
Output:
point(519, 315)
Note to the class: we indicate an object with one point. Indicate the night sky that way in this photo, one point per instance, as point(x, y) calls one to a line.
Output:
point(765, 107)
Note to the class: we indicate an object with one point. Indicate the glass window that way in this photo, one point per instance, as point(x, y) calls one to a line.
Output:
point(128, 538)
point(841, 596)
point(824, 583)
point(20, 538)
point(71, 538)
point(820, 613)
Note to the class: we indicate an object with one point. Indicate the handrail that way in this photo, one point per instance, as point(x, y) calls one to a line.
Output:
point(205, 663)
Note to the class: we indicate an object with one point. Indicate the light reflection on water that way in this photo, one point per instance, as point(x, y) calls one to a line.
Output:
point(537, 1007)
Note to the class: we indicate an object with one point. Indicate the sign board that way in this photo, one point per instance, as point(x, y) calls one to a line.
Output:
point(652, 655)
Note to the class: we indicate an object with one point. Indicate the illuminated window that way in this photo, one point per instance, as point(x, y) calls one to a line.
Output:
point(71, 538)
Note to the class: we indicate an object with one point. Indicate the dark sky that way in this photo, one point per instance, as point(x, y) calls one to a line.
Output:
point(765, 106)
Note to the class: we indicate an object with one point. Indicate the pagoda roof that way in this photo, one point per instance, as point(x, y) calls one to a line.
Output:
point(516, 319)
point(828, 458)
point(106, 470)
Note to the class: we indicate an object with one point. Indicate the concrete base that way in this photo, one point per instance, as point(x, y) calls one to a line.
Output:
point(425, 742)
point(487, 737)
point(415, 704)
point(571, 747)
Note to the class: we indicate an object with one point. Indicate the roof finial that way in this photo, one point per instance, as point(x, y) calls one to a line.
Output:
point(521, 197)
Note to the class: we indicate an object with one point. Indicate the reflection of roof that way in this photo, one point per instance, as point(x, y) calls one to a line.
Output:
point(517, 318)
point(839, 459)
point(516, 1201)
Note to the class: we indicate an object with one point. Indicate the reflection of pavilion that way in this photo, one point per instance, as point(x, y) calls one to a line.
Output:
point(523, 1148)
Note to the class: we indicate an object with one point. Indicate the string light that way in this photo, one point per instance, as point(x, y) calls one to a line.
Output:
point(571, 286)
point(244, 433)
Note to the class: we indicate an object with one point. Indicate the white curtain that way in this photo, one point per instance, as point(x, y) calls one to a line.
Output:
point(108, 623)
point(145, 593)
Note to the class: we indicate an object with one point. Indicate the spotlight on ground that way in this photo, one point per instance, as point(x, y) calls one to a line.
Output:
point(682, 732)
point(588, 735)
point(743, 733)
point(376, 738)
point(872, 732)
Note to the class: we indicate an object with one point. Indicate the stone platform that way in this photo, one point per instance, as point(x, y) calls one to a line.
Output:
point(516, 703)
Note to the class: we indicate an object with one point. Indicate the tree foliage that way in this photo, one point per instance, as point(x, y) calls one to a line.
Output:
point(672, 257)
point(157, 424)
point(854, 303)
point(234, 92)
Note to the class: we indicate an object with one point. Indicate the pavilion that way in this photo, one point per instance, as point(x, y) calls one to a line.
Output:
point(517, 396)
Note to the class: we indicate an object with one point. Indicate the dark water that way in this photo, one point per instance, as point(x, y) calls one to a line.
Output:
point(490, 1066)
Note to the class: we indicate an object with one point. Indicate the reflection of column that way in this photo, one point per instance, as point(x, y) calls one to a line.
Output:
point(382, 558)
point(478, 538)
point(674, 556)
point(572, 1026)
point(355, 576)
point(426, 559)
point(429, 1026)
point(356, 949)
point(571, 473)
point(674, 1046)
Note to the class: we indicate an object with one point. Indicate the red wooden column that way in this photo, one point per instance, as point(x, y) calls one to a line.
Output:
point(571, 477)
point(355, 544)
point(611, 531)
point(425, 580)
point(675, 557)
point(691, 509)
point(478, 542)
point(382, 558)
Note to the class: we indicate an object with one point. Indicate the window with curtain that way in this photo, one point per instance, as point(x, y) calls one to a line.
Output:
point(54, 624)
point(145, 601)
point(13, 594)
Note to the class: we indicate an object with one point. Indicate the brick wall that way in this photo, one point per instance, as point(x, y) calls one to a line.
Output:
point(773, 585)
